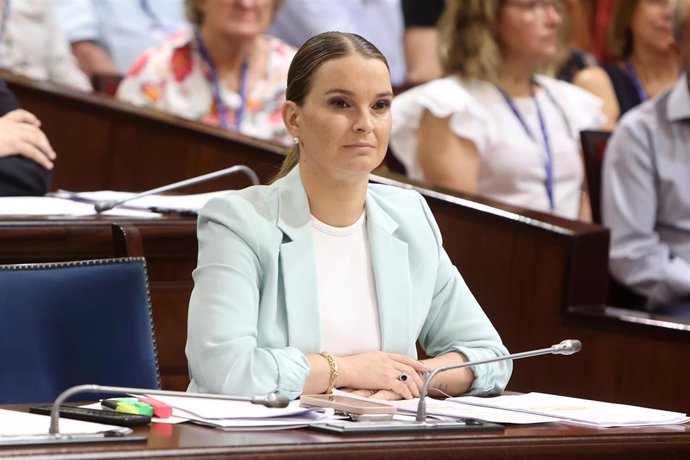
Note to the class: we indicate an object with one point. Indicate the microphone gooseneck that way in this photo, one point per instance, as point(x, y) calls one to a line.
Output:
point(271, 400)
point(103, 206)
point(566, 347)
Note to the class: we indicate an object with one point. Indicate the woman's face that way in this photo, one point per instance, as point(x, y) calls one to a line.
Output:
point(237, 17)
point(345, 122)
point(651, 24)
point(528, 29)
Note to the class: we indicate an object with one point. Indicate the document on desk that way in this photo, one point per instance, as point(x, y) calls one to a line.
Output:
point(585, 411)
point(15, 424)
point(160, 203)
point(53, 206)
point(243, 414)
point(447, 408)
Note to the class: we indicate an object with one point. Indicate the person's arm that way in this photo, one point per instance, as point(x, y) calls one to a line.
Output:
point(421, 54)
point(458, 330)
point(595, 80)
point(93, 59)
point(446, 159)
point(639, 257)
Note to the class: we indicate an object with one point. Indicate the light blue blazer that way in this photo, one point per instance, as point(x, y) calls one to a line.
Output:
point(254, 310)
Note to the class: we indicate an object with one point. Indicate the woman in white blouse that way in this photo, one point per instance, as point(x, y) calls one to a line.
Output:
point(494, 126)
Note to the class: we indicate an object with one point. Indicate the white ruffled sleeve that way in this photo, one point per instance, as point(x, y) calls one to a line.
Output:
point(583, 110)
point(443, 98)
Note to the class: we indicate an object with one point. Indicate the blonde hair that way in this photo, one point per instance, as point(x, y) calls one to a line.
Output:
point(196, 16)
point(309, 58)
point(468, 43)
point(620, 38)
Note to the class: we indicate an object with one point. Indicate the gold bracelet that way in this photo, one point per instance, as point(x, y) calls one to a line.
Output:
point(334, 371)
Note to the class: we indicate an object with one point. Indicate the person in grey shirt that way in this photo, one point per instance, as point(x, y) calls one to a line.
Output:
point(646, 192)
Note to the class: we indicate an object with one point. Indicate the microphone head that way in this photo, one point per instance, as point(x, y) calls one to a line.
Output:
point(104, 205)
point(568, 347)
point(273, 400)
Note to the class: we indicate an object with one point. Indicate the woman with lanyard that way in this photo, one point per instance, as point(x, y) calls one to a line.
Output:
point(226, 72)
point(640, 36)
point(493, 126)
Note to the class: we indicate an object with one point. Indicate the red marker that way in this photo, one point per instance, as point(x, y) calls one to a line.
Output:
point(160, 409)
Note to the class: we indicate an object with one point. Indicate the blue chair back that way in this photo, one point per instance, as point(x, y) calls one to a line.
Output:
point(72, 323)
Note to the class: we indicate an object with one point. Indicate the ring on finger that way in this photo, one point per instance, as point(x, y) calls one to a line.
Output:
point(403, 377)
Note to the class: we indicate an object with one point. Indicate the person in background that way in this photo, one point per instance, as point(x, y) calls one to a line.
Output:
point(646, 192)
point(33, 45)
point(495, 126)
point(379, 21)
point(321, 280)
point(26, 156)
point(640, 37)
point(421, 40)
point(108, 35)
point(226, 72)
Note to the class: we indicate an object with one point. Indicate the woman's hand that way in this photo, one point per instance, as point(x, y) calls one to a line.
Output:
point(381, 372)
point(20, 134)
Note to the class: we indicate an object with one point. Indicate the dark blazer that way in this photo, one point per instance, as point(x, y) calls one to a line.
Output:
point(20, 176)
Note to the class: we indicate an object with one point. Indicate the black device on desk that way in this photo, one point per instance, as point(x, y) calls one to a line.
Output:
point(109, 417)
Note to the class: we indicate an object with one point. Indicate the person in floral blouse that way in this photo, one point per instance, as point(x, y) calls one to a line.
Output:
point(224, 72)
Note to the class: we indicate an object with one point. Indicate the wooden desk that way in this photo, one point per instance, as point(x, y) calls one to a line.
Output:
point(540, 279)
point(548, 441)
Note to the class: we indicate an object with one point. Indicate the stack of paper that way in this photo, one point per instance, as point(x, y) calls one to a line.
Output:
point(242, 414)
point(52, 206)
point(585, 411)
point(158, 203)
point(14, 424)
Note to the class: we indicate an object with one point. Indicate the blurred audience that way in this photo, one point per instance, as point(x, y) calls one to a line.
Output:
point(646, 192)
point(379, 21)
point(494, 126)
point(226, 72)
point(108, 35)
point(32, 44)
point(421, 40)
point(640, 37)
point(26, 157)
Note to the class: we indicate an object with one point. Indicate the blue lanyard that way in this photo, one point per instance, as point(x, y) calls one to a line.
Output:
point(548, 160)
point(635, 79)
point(3, 19)
point(217, 90)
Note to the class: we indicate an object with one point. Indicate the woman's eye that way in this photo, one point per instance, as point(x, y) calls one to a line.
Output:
point(381, 105)
point(339, 104)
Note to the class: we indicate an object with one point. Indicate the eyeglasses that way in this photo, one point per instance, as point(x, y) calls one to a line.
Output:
point(537, 6)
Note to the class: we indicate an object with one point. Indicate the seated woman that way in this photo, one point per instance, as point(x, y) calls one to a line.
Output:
point(640, 36)
point(492, 127)
point(322, 281)
point(225, 73)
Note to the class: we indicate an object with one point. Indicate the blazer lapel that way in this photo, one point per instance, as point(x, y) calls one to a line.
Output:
point(391, 265)
point(298, 265)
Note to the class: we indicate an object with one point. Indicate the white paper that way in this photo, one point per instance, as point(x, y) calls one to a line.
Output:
point(52, 206)
point(14, 423)
point(451, 409)
point(585, 411)
point(178, 203)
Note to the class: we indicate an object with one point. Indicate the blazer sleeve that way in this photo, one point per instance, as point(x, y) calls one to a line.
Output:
point(456, 323)
point(224, 342)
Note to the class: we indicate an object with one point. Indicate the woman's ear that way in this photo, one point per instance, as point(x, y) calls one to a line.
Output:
point(291, 118)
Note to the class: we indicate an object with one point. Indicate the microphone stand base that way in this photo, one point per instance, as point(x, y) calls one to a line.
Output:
point(392, 426)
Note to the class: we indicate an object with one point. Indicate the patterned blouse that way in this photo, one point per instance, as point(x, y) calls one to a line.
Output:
point(174, 77)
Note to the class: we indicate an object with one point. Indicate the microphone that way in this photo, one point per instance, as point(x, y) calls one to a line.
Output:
point(271, 400)
point(110, 204)
point(566, 347)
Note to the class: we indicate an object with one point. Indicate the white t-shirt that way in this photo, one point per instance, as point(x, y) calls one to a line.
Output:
point(347, 291)
point(512, 166)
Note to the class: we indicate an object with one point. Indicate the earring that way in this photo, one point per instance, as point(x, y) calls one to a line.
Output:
point(295, 140)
